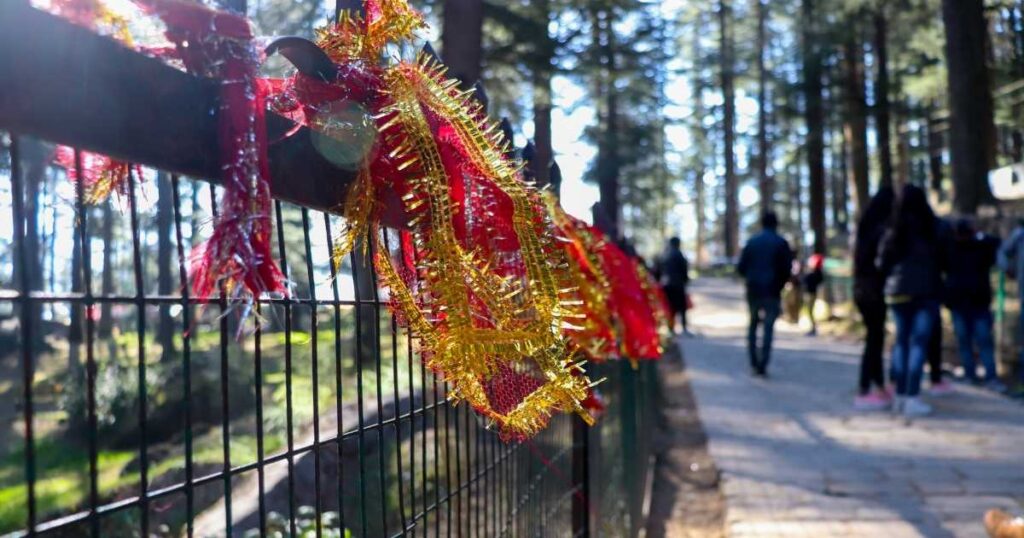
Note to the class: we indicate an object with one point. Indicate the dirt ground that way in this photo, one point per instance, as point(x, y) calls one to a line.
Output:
point(686, 500)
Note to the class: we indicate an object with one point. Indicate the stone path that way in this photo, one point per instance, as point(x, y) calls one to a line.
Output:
point(796, 460)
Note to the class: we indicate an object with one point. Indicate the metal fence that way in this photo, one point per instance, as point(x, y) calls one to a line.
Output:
point(137, 410)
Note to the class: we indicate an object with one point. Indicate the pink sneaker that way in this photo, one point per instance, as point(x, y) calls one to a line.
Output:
point(943, 388)
point(876, 400)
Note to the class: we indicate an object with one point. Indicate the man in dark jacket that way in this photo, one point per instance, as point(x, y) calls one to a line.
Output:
point(968, 294)
point(674, 276)
point(766, 264)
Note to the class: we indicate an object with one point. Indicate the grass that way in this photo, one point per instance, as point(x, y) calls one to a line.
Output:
point(63, 479)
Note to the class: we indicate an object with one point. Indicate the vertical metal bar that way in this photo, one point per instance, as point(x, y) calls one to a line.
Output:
point(258, 388)
point(361, 428)
point(448, 460)
point(436, 446)
point(289, 417)
point(398, 410)
point(222, 304)
point(90, 358)
point(337, 371)
point(580, 477)
point(27, 343)
point(315, 373)
point(411, 366)
point(467, 489)
point(381, 460)
point(495, 469)
point(140, 307)
point(186, 353)
point(398, 422)
point(458, 473)
point(480, 463)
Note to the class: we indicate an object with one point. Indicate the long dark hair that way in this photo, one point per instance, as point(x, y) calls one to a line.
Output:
point(876, 215)
point(912, 216)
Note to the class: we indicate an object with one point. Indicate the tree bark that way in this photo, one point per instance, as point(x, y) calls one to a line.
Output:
point(841, 189)
point(815, 119)
point(767, 183)
point(935, 147)
point(882, 109)
point(972, 128)
point(608, 158)
point(462, 39)
point(105, 327)
point(731, 224)
point(165, 263)
point(699, 188)
point(35, 158)
point(542, 73)
point(855, 125)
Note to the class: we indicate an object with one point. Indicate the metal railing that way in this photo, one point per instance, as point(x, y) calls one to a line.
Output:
point(144, 411)
point(135, 409)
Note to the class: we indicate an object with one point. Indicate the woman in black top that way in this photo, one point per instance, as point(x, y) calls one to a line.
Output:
point(910, 256)
point(869, 295)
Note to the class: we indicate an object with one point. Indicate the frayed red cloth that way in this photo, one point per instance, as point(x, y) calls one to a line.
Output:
point(217, 44)
point(631, 305)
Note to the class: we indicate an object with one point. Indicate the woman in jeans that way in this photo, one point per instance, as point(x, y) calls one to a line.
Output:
point(869, 295)
point(909, 256)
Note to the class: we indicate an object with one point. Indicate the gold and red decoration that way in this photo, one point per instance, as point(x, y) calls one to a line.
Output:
point(477, 274)
point(506, 294)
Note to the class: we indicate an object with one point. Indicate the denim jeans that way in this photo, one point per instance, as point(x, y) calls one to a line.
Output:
point(974, 327)
point(762, 310)
point(915, 322)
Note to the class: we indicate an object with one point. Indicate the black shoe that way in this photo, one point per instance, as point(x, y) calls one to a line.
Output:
point(762, 372)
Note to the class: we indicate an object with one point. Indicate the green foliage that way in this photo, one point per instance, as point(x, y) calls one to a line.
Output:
point(278, 525)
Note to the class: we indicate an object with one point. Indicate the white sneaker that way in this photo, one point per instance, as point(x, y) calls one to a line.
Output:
point(915, 407)
point(897, 403)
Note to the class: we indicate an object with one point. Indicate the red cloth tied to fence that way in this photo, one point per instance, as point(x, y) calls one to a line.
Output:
point(632, 306)
point(217, 44)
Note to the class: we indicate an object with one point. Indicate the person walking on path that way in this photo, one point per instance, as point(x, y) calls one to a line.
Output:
point(1011, 261)
point(910, 255)
point(869, 296)
point(674, 276)
point(765, 264)
point(938, 385)
point(968, 295)
point(811, 281)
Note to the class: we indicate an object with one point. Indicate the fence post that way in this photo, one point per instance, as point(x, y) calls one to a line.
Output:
point(580, 478)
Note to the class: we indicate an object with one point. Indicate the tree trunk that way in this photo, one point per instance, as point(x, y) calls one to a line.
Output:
point(767, 183)
point(105, 327)
point(796, 195)
point(165, 263)
point(462, 39)
point(542, 73)
point(903, 164)
point(841, 189)
point(882, 114)
point(699, 188)
point(836, 179)
point(608, 159)
point(699, 209)
point(972, 127)
point(855, 125)
point(34, 160)
point(815, 118)
point(731, 224)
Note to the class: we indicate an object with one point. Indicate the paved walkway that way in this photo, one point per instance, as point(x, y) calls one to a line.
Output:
point(797, 461)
